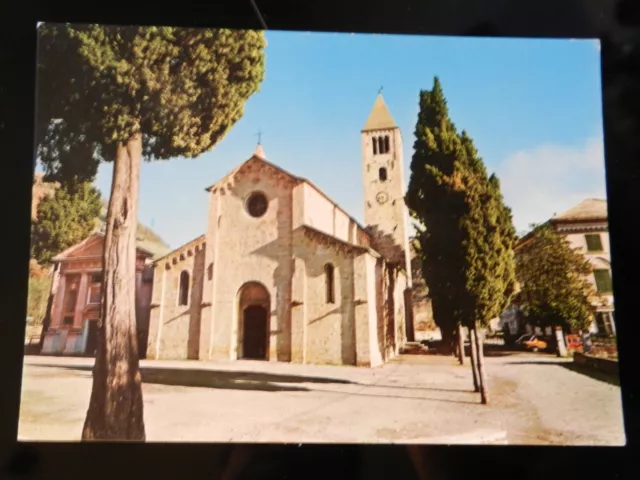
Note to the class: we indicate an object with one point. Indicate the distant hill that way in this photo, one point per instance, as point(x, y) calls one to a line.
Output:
point(147, 238)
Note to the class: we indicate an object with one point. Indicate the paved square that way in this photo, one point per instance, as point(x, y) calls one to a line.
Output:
point(414, 399)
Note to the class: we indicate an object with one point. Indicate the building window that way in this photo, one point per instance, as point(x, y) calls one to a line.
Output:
point(95, 289)
point(375, 146)
point(67, 321)
point(210, 272)
point(603, 280)
point(381, 144)
point(71, 294)
point(257, 204)
point(386, 144)
point(594, 243)
point(329, 283)
point(382, 174)
point(183, 294)
point(604, 323)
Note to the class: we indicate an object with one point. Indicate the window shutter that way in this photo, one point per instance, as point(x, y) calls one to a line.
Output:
point(603, 281)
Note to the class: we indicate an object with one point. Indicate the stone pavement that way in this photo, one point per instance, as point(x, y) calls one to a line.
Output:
point(414, 399)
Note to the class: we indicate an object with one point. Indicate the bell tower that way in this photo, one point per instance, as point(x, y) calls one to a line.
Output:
point(385, 212)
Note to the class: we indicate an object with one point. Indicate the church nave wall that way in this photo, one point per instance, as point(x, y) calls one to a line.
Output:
point(176, 304)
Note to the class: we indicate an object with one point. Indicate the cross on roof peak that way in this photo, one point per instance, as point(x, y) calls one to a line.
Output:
point(259, 135)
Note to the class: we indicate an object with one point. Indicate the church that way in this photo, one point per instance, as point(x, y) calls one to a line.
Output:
point(283, 273)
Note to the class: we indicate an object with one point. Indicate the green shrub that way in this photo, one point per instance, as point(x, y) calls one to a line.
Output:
point(38, 297)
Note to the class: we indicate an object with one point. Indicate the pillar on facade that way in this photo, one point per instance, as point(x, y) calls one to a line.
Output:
point(81, 301)
point(56, 310)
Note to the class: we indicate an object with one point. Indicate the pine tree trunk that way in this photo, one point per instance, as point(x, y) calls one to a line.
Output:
point(447, 342)
point(460, 340)
point(482, 374)
point(116, 408)
point(474, 359)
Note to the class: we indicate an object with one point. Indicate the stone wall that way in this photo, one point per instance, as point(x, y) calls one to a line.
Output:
point(321, 213)
point(400, 318)
point(174, 329)
point(597, 363)
point(241, 249)
point(386, 217)
point(330, 327)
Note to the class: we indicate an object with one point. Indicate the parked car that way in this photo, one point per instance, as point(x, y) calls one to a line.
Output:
point(574, 342)
point(532, 342)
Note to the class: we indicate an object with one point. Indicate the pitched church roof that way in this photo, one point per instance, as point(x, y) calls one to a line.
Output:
point(589, 209)
point(380, 118)
point(94, 236)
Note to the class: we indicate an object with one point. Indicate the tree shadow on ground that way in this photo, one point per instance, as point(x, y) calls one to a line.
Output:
point(221, 379)
point(260, 381)
point(606, 377)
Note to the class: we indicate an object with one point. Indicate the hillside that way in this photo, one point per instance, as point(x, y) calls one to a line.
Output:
point(147, 238)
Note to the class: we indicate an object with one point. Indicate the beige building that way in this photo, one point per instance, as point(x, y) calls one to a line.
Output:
point(283, 273)
point(585, 227)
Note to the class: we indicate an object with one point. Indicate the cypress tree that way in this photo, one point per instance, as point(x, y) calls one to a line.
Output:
point(489, 237)
point(120, 94)
point(435, 203)
point(466, 232)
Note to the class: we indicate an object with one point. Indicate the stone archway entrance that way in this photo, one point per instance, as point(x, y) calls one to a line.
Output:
point(254, 321)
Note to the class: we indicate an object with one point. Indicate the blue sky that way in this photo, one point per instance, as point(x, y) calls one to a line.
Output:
point(533, 108)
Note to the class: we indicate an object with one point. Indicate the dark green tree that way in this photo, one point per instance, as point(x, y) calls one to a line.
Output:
point(554, 281)
point(467, 234)
point(63, 219)
point(488, 243)
point(435, 203)
point(121, 94)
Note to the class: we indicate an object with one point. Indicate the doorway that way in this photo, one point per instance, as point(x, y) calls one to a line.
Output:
point(92, 338)
point(254, 321)
point(254, 344)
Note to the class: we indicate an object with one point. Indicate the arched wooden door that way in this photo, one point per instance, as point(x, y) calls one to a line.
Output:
point(255, 338)
point(254, 321)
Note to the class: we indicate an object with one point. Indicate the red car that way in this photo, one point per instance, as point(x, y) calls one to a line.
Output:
point(574, 342)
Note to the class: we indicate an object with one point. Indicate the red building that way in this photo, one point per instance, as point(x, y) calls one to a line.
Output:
point(76, 290)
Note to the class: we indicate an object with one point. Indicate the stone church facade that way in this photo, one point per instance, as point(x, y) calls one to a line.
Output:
point(283, 273)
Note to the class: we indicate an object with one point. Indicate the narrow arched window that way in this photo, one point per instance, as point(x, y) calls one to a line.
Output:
point(183, 293)
point(382, 174)
point(329, 283)
point(375, 145)
point(386, 144)
point(381, 144)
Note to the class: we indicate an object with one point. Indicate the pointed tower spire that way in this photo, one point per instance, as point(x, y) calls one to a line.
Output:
point(380, 118)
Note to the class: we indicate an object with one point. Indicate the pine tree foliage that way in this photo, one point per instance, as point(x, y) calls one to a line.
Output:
point(489, 238)
point(120, 94)
point(435, 202)
point(64, 218)
point(554, 281)
point(181, 88)
point(465, 231)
